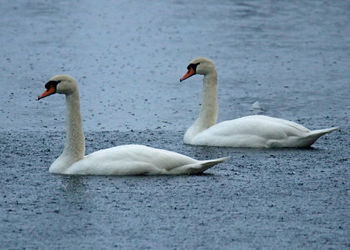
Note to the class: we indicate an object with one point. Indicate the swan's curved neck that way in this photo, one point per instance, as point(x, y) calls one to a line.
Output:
point(209, 110)
point(74, 148)
point(75, 141)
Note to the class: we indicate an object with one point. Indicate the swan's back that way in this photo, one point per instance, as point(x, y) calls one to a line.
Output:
point(251, 131)
point(132, 160)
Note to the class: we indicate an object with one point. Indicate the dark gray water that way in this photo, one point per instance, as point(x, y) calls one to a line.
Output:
point(291, 57)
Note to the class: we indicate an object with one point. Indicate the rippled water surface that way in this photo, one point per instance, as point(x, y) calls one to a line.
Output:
point(292, 57)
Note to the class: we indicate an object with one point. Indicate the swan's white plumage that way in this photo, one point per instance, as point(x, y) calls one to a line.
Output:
point(120, 160)
point(256, 131)
point(137, 160)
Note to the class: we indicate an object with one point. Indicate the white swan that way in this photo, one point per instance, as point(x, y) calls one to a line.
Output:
point(120, 160)
point(256, 131)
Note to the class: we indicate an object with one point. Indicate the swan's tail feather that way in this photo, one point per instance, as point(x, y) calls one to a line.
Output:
point(315, 134)
point(324, 131)
point(204, 165)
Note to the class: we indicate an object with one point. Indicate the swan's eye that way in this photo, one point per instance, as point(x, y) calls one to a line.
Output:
point(52, 83)
point(193, 66)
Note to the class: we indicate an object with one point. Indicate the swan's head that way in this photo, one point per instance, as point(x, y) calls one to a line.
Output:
point(201, 66)
point(61, 84)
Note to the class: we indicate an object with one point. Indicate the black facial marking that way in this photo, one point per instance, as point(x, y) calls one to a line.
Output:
point(51, 83)
point(193, 66)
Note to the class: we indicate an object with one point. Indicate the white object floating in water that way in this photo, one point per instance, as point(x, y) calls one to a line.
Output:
point(254, 131)
point(256, 106)
point(121, 160)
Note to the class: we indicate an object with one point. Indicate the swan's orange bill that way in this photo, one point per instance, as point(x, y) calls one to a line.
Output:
point(189, 73)
point(50, 91)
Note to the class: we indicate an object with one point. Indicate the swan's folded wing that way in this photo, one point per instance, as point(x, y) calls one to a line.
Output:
point(249, 131)
point(130, 160)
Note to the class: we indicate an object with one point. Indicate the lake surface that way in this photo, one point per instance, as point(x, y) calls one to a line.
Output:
point(128, 56)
